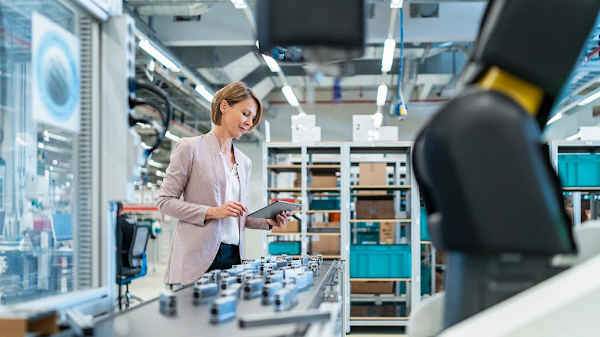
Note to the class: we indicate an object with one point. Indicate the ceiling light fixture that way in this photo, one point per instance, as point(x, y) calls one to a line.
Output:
point(156, 164)
point(204, 92)
point(590, 98)
point(396, 3)
point(382, 95)
point(389, 46)
point(148, 48)
point(271, 63)
point(575, 136)
point(172, 137)
point(239, 4)
point(289, 95)
point(555, 118)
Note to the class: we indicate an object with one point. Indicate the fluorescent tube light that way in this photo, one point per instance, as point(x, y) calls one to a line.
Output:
point(382, 95)
point(239, 4)
point(555, 118)
point(271, 63)
point(205, 93)
point(289, 95)
point(389, 46)
point(396, 3)
point(156, 164)
point(377, 119)
point(590, 98)
point(172, 137)
point(148, 48)
point(575, 136)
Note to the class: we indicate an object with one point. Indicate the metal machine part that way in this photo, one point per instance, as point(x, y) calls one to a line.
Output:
point(290, 273)
point(277, 276)
point(82, 324)
point(168, 303)
point(228, 281)
point(310, 316)
point(204, 293)
point(216, 276)
point(304, 260)
point(281, 263)
point(314, 267)
point(205, 279)
point(233, 290)
point(269, 291)
point(234, 271)
point(253, 289)
point(309, 278)
point(289, 282)
point(301, 282)
point(286, 298)
point(223, 309)
point(320, 258)
point(332, 293)
point(242, 276)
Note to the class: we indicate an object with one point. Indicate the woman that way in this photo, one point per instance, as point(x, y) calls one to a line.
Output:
point(213, 177)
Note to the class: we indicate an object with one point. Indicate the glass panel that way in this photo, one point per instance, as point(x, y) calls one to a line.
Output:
point(38, 162)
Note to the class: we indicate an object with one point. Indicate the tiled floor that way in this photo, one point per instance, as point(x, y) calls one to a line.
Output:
point(149, 287)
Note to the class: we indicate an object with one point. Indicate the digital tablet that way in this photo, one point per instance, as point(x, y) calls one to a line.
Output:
point(269, 212)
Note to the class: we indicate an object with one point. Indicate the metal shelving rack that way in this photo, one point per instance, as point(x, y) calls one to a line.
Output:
point(576, 147)
point(295, 157)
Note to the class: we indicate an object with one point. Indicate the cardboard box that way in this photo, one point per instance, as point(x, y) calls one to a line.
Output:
point(439, 281)
point(386, 233)
point(324, 180)
point(372, 174)
point(372, 287)
point(440, 258)
point(379, 208)
point(335, 217)
point(289, 227)
point(326, 245)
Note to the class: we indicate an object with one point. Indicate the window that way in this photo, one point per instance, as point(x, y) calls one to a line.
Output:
point(39, 160)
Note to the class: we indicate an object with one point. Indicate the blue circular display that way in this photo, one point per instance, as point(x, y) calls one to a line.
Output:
point(57, 76)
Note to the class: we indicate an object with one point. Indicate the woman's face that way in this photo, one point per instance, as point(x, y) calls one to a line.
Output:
point(238, 118)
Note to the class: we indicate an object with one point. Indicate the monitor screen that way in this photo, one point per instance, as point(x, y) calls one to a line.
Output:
point(62, 227)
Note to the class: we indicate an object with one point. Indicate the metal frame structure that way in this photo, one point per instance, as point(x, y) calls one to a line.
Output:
point(271, 150)
point(574, 147)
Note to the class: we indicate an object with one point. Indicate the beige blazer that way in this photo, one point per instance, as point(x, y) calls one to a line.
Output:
point(196, 172)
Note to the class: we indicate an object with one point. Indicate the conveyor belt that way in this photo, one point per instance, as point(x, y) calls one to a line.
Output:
point(191, 320)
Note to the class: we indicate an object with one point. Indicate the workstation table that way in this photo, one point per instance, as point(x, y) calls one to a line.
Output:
point(193, 320)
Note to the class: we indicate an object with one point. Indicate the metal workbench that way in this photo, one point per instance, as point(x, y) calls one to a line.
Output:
point(191, 320)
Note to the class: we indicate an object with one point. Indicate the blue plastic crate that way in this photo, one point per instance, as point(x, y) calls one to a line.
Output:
point(579, 170)
point(284, 247)
point(325, 204)
point(424, 231)
point(380, 261)
point(367, 238)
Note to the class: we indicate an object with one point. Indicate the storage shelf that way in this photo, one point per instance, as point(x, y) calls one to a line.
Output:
point(285, 168)
point(282, 234)
point(322, 189)
point(380, 318)
point(323, 234)
point(381, 187)
point(284, 189)
point(576, 189)
point(380, 220)
point(425, 242)
point(324, 211)
point(325, 257)
point(380, 279)
point(360, 298)
point(317, 167)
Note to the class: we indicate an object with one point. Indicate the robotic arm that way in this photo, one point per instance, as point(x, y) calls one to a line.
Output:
point(494, 201)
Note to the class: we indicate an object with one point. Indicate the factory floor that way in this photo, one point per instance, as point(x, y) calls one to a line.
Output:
point(149, 287)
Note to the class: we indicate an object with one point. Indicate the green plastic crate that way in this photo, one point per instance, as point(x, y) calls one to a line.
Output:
point(325, 204)
point(284, 247)
point(380, 261)
point(579, 170)
point(367, 238)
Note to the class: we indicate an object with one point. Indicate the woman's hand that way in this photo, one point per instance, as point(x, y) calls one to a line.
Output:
point(229, 209)
point(280, 219)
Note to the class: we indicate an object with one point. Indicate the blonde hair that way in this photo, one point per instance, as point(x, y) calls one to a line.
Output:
point(234, 93)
